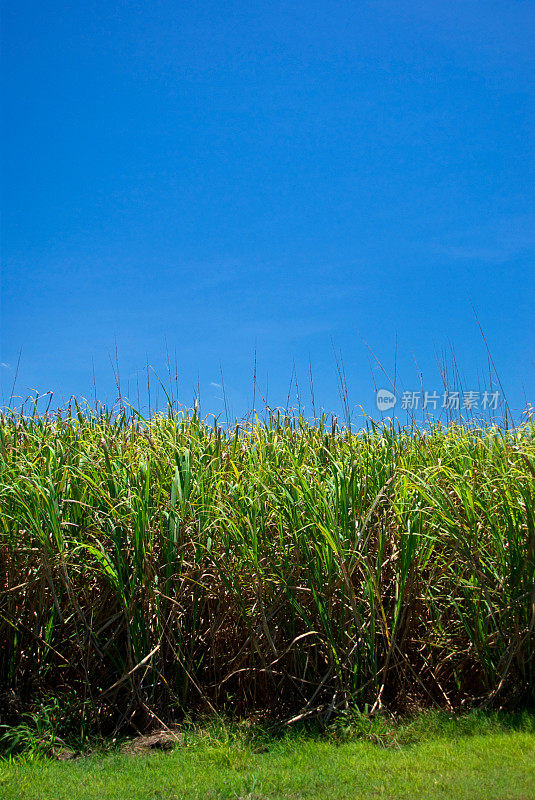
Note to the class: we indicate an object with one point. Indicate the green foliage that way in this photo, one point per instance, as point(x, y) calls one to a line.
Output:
point(167, 566)
point(35, 735)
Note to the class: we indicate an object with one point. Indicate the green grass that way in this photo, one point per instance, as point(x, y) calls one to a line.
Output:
point(472, 758)
point(155, 568)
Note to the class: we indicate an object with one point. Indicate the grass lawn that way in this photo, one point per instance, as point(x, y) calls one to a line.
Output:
point(492, 765)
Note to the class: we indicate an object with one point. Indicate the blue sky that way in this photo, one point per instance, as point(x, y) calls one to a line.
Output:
point(295, 178)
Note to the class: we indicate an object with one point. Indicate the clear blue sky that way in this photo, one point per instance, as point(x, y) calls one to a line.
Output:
point(293, 177)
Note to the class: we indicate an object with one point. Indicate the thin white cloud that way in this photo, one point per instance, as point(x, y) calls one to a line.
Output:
point(467, 253)
point(504, 239)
